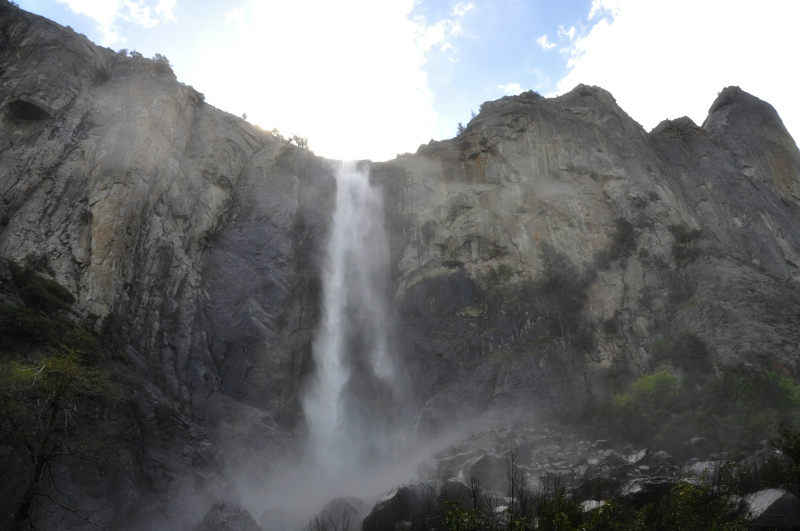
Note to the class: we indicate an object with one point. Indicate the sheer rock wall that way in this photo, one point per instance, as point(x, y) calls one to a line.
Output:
point(202, 236)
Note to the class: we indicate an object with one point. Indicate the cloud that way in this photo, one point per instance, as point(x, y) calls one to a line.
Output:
point(108, 13)
point(462, 8)
point(348, 75)
point(661, 59)
point(603, 8)
point(544, 44)
point(566, 33)
point(512, 89)
point(438, 33)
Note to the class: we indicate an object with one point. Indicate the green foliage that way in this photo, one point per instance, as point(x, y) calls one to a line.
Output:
point(686, 351)
point(40, 320)
point(737, 408)
point(36, 263)
point(556, 512)
point(558, 291)
point(24, 325)
point(693, 508)
point(299, 141)
point(79, 340)
point(43, 409)
point(789, 443)
point(162, 63)
point(456, 519)
point(623, 242)
point(37, 291)
point(653, 195)
point(460, 130)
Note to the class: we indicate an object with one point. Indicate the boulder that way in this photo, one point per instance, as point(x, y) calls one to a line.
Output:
point(401, 504)
point(702, 469)
point(641, 491)
point(773, 510)
point(490, 469)
point(344, 512)
point(225, 516)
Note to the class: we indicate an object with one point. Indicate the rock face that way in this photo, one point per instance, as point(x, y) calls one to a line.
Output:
point(714, 244)
point(226, 517)
point(199, 239)
point(773, 509)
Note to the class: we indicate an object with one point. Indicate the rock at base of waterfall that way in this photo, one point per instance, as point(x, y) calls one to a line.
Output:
point(344, 513)
point(225, 516)
point(773, 510)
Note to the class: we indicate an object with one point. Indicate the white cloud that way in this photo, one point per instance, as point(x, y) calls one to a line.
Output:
point(462, 8)
point(604, 8)
point(348, 75)
point(107, 14)
point(430, 36)
point(566, 33)
point(544, 44)
point(664, 59)
point(512, 89)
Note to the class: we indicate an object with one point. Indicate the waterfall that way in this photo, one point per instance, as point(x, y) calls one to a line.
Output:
point(350, 395)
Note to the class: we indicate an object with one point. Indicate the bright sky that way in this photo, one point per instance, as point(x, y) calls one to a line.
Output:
point(373, 78)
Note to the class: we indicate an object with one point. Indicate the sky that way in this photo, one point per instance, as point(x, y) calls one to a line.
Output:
point(375, 78)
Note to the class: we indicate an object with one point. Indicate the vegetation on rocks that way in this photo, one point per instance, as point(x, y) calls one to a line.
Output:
point(49, 389)
point(731, 411)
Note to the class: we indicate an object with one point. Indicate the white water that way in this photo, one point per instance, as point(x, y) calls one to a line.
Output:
point(351, 348)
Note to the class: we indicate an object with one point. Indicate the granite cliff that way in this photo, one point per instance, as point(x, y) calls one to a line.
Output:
point(197, 239)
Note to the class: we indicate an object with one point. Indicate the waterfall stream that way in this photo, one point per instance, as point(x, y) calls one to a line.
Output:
point(346, 406)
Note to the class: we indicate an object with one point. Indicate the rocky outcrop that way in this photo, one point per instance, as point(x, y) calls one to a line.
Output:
point(191, 232)
point(198, 238)
point(226, 517)
point(712, 213)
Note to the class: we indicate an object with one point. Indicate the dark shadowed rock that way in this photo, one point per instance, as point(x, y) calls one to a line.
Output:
point(224, 516)
point(641, 491)
point(490, 470)
point(344, 512)
point(773, 510)
point(402, 504)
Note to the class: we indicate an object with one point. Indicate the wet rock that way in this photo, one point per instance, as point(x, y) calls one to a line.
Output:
point(641, 491)
point(399, 505)
point(590, 505)
point(773, 510)
point(490, 470)
point(225, 516)
point(344, 513)
point(702, 469)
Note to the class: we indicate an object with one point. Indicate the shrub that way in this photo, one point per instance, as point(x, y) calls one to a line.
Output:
point(22, 325)
point(653, 195)
point(691, 507)
point(559, 290)
point(81, 341)
point(683, 250)
point(37, 291)
point(686, 351)
point(623, 242)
